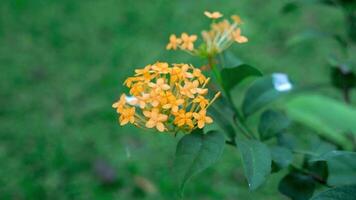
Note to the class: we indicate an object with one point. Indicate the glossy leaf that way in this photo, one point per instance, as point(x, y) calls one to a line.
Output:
point(297, 186)
point(346, 192)
point(281, 156)
point(329, 117)
point(256, 160)
point(263, 91)
point(235, 75)
point(341, 167)
point(195, 152)
point(272, 123)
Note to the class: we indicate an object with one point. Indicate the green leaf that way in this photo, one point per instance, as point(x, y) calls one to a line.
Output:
point(281, 156)
point(341, 167)
point(223, 115)
point(235, 75)
point(229, 60)
point(329, 117)
point(256, 160)
point(264, 91)
point(272, 123)
point(340, 193)
point(195, 152)
point(297, 186)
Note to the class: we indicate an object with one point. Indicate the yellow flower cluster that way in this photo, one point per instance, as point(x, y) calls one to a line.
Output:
point(168, 98)
point(221, 35)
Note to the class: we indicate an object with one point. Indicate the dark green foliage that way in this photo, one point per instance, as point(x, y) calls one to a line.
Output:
point(256, 160)
point(342, 78)
point(297, 186)
point(195, 152)
point(339, 193)
point(262, 92)
point(271, 124)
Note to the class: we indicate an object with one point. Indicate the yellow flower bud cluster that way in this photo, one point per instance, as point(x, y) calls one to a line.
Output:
point(168, 98)
point(221, 35)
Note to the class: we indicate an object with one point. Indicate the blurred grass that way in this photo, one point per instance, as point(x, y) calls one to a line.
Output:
point(63, 63)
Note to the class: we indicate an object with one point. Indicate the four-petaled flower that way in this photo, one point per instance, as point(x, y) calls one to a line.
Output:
point(203, 102)
point(188, 41)
point(202, 118)
point(173, 42)
point(159, 85)
point(184, 118)
point(171, 102)
point(155, 119)
point(127, 115)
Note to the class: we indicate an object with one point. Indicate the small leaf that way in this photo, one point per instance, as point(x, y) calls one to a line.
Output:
point(264, 91)
point(281, 156)
point(272, 123)
point(235, 75)
point(329, 117)
point(341, 167)
point(195, 152)
point(297, 186)
point(256, 160)
point(229, 60)
point(346, 192)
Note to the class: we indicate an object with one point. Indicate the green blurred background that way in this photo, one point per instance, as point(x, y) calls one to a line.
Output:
point(62, 66)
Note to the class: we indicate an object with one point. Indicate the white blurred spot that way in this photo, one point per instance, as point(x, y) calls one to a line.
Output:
point(281, 82)
point(131, 100)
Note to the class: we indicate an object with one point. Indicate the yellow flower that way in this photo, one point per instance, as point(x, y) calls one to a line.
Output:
point(238, 37)
point(220, 27)
point(119, 105)
point(202, 118)
point(155, 97)
point(180, 72)
point(145, 73)
point(171, 102)
point(161, 68)
point(184, 118)
point(137, 88)
point(236, 19)
point(159, 85)
point(155, 119)
point(188, 41)
point(143, 100)
point(203, 102)
point(213, 15)
point(173, 42)
point(197, 73)
point(164, 97)
point(127, 115)
point(218, 38)
point(191, 88)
